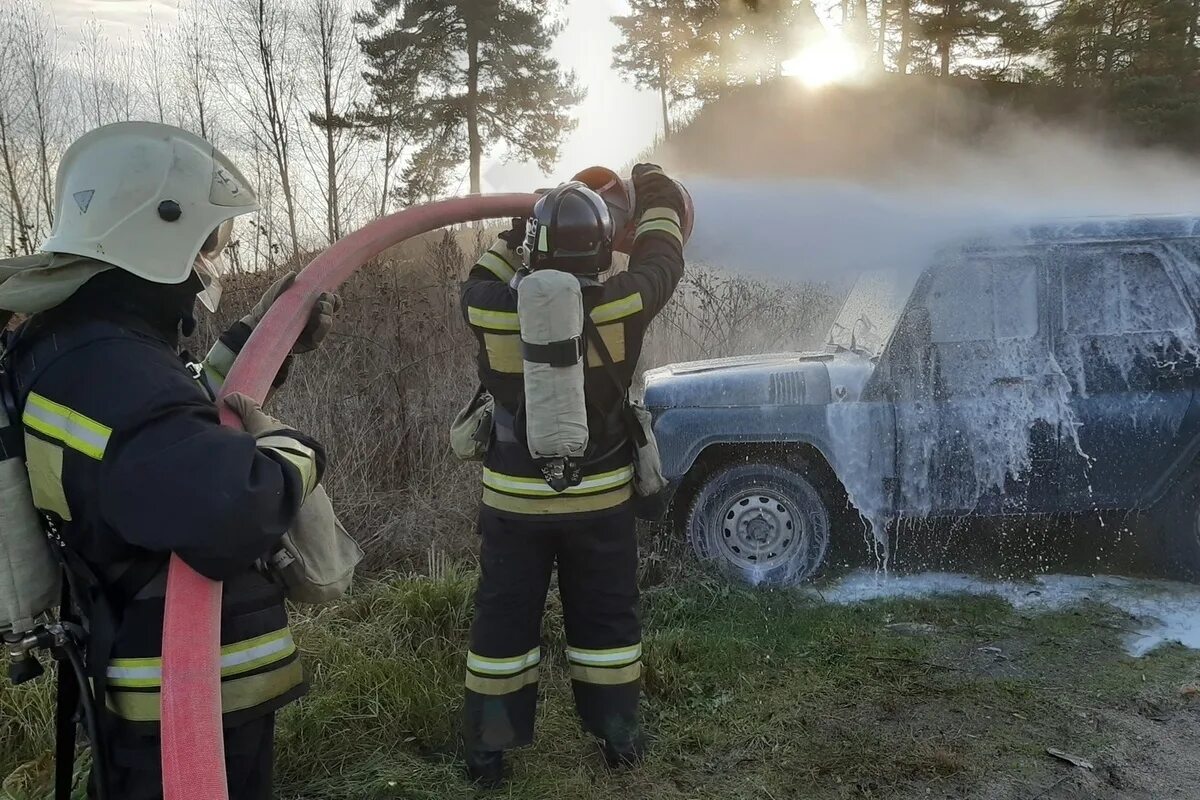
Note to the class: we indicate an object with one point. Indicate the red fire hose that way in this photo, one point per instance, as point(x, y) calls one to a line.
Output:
point(193, 753)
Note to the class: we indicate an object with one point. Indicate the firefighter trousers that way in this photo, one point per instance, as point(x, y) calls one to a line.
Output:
point(597, 578)
point(135, 762)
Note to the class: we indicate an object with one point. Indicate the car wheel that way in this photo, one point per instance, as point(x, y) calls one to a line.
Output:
point(1178, 523)
point(760, 524)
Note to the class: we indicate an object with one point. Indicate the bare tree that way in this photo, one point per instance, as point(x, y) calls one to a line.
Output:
point(11, 110)
point(195, 69)
point(121, 83)
point(152, 68)
point(37, 53)
point(332, 53)
point(90, 61)
point(259, 32)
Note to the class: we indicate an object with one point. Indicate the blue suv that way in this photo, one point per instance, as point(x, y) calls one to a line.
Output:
point(1047, 370)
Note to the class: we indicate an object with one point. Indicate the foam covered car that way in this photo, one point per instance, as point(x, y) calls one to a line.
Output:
point(1047, 370)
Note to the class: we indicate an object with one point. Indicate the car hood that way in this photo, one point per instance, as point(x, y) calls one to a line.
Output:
point(761, 380)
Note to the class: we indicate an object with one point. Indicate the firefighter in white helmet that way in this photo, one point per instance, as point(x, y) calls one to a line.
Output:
point(127, 459)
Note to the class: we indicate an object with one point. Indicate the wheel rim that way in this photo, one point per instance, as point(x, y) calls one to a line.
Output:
point(760, 530)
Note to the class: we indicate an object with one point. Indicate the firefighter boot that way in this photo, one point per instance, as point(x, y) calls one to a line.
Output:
point(485, 768)
point(625, 754)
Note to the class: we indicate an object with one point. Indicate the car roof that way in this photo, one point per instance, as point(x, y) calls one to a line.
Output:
point(1091, 229)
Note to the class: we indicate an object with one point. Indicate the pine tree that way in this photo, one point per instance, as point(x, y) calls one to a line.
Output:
point(482, 74)
point(654, 51)
point(987, 28)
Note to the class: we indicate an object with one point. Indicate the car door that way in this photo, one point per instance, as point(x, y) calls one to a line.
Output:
point(1125, 335)
point(974, 413)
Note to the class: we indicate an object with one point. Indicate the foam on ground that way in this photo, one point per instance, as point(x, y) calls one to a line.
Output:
point(1160, 611)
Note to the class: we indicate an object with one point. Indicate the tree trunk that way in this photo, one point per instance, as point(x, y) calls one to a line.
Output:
point(474, 143)
point(22, 229)
point(44, 164)
point(331, 209)
point(666, 106)
point(277, 125)
point(945, 41)
point(883, 30)
point(905, 53)
point(387, 160)
point(1193, 21)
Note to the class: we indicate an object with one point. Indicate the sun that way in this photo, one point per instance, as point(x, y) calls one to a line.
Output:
point(831, 60)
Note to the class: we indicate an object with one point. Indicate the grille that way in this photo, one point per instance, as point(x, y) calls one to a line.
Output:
point(787, 388)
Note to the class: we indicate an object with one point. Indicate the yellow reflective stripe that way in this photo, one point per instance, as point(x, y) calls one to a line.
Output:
point(297, 454)
point(543, 241)
point(256, 653)
point(614, 341)
point(236, 695)
point(493, 320)
point(612, 657)
point(497, 264)
point(617, 309)
point(664, 225)
point(661, 212)
point(501, 686)
point(44, 463)
point(537, 487)
point(504, 352)
point(559, 504)
point(236, 658)
point(606, 676)
point(503, 666)
point(66, 425)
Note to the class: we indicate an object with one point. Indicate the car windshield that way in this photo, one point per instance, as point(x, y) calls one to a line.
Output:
point(871, 311)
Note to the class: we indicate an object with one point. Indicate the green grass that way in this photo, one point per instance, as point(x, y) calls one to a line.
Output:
point(748, 694)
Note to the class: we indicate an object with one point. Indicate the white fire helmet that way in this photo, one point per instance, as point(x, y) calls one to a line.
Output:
point(151, 199)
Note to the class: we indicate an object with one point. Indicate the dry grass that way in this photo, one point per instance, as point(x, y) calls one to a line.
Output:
point(382, 391)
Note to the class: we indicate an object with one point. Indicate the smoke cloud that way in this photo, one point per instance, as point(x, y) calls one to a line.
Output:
point(795, 184)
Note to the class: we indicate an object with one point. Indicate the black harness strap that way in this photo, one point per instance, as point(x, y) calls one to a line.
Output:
point(563, 353)
point(632, 428)
point(65, 707)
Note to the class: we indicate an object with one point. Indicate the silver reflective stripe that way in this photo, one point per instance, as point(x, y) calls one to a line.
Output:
point(269, 648)
point(66, 425)
point(147, 672)
point(135, 674)
point(618, 655)
point(537, 488)
point(503, 666)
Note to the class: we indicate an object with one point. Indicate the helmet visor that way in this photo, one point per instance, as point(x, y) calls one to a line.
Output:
point(210, 264)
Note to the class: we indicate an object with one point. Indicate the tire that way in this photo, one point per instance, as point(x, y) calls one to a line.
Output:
point(1177, 519)
point(760, 524)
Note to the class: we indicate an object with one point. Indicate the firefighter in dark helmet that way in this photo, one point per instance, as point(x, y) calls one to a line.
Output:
point(126, 457)
point(526, 524)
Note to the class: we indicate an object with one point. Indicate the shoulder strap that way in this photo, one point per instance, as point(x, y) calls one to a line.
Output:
point(632, 427)
point(592, 332)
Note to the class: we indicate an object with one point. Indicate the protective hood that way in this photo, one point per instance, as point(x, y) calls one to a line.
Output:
point(31, 284)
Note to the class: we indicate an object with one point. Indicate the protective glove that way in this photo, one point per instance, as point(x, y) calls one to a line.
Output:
point(514, 237)
point(256, 421)
point(290, 446)
point(655, 190)
point(320, 318)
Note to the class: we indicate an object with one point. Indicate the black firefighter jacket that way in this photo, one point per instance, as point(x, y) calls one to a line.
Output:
point(126, 455)
point(621, 309)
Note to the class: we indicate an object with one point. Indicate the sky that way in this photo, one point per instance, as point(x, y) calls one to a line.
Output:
point(616, 121)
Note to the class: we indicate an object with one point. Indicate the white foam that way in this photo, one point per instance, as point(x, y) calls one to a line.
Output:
point(1160, 611)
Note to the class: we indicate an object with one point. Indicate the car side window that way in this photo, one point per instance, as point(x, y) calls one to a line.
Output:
point(1121, 293)
point(986, 299)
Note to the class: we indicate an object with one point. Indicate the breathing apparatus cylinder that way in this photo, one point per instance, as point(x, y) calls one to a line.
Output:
point(29, 574)
point(550, 313)
point(30, 579)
